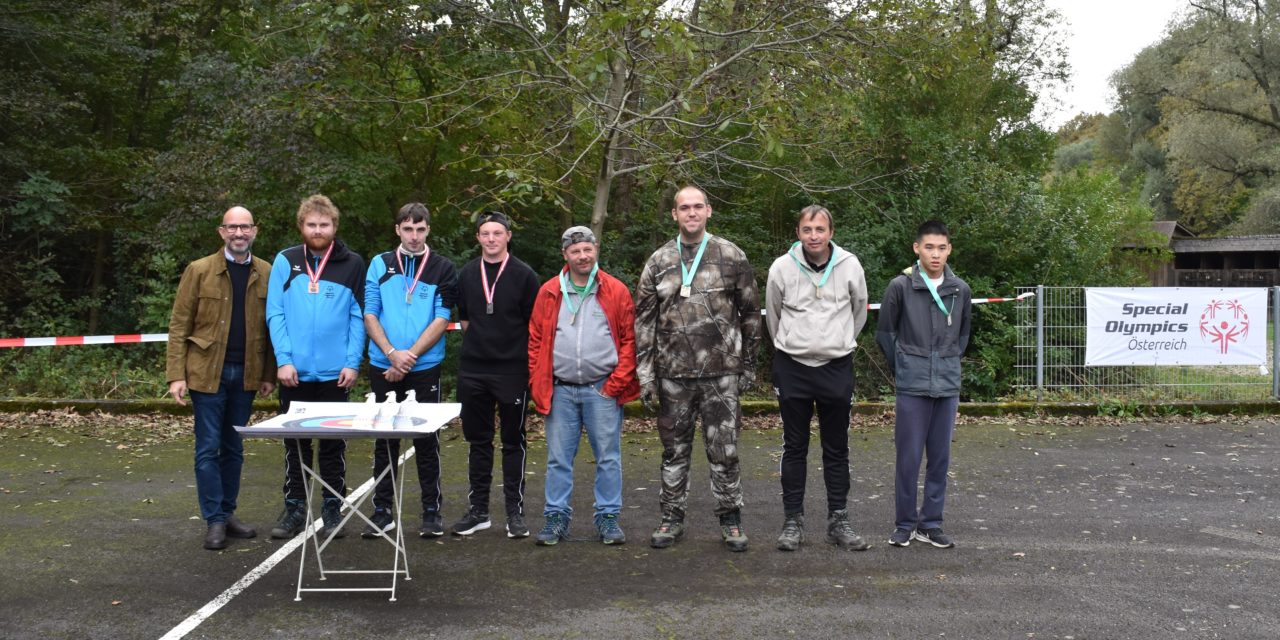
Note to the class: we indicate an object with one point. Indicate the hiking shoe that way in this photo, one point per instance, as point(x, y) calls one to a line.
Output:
point(666, 534)
point(432, 525)
point(472, 522)
point(237, 529)
point(900, 537)
point(554, 530)
point(935, 537)
point(792, 533)
point(610, 532)
point(291, 520)
point(516, 527)
point(841, 534)
point(382, 522)
point(331, 513)
point(731, 531)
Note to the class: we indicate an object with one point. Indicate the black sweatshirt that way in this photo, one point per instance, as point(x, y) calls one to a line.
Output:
point(496, 343)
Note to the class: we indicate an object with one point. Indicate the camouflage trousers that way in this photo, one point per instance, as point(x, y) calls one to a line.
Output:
point(682, 401)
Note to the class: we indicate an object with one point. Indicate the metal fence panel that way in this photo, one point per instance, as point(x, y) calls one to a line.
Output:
point(1050, 361)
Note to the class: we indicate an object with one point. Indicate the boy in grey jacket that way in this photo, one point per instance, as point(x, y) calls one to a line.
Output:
point(923, 331)
point(816, 304)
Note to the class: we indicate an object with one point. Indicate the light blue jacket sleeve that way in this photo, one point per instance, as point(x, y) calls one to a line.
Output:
point(275, 311)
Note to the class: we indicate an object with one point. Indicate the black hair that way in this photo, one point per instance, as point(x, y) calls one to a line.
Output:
point(932, 228)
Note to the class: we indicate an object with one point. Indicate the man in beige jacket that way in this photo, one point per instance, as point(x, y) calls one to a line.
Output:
point(220, 352)
point(815, 305)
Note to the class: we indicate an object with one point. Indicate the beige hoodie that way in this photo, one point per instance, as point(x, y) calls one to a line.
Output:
point(815, 330)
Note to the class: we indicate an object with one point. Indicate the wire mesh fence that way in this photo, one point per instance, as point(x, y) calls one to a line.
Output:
point(1050, 365)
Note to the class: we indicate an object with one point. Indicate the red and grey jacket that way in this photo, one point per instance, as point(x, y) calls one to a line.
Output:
point(619, 312)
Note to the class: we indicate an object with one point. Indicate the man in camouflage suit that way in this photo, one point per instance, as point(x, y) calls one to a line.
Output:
point(697, 335)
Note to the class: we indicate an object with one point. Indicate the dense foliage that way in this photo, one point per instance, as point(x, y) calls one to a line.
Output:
point(127, 128)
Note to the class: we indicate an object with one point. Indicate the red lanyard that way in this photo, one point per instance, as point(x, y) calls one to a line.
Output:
point(315, 275)
point(484, 282)
point(408, 293)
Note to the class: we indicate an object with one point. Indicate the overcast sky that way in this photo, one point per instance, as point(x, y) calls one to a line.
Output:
point(1102, 37)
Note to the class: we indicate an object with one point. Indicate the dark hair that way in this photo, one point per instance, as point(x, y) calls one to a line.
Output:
point(932, 228)
point(813, 211)
point(415, 212)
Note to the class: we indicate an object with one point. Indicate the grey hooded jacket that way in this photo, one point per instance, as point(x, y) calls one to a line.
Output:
point(922, 349)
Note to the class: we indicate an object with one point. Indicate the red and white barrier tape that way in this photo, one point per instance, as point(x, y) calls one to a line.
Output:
point(130, 338)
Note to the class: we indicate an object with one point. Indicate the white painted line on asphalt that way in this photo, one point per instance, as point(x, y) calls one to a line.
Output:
point(1245, 536)
point(189, 625)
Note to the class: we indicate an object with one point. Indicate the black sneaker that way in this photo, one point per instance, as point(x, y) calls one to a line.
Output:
point(841, 534)
point(291, 520)
point(472, 522)
point(331, 513)
point(516, 527)
point(382, 522)
point(792, 533)
point(554, 530)
point(432, 525)
point(900, 538)
point(935, 537)
point(609, 530)
point(731, 531)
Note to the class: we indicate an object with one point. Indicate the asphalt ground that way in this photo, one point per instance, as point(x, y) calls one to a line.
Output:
point(1066, 528)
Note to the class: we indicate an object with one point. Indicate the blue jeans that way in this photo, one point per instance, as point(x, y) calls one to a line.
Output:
point(572, 408)
point(219, 451)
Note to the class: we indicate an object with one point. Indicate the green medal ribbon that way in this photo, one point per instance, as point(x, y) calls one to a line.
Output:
point(826, 273)
point(584, 291)
point(934, 291)
point(686, 274)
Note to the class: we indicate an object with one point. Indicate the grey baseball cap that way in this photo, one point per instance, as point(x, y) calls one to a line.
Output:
point(574, 235)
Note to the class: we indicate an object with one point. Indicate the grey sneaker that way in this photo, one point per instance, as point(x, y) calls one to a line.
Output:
point(472, 522)
point(610, 532)
point(432, 525)
point(841, 534)
point(666, 534)
point(935, 537)
point(331, 513)
point(516, 527)
point(382, 522)
point(731, 531)
point(291, 520)
point(554, 530)
point(792, 533)
point(900, 537)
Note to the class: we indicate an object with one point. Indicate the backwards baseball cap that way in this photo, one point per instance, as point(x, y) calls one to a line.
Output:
point(493, 216)
point(574, 235)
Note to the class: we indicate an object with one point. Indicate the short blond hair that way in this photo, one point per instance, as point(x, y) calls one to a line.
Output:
point(320, 204)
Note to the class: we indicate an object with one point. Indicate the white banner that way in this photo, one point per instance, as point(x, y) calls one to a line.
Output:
point(1175, 326)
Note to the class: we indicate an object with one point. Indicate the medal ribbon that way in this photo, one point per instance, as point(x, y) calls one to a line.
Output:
point(401, 257)
point(826, 273)
point(315, 275)
point(564, 289)
point(934, 291)
point(686, 275)
point(484, 279)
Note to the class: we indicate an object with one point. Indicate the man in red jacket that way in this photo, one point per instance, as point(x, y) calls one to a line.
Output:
point(582, 369)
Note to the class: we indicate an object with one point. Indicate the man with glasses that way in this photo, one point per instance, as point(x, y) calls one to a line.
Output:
point(697, 336)
point(220, 353)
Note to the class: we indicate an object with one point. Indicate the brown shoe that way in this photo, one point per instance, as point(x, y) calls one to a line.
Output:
point(216, 538)
point(237, 529)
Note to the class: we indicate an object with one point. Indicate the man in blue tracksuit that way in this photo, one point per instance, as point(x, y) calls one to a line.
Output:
point(407, 296)
point(923, 331)
point(317, 328)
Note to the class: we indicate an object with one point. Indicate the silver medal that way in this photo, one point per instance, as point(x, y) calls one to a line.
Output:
point(686, 291)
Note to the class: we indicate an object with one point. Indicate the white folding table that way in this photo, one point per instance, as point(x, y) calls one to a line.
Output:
point(346, 420)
